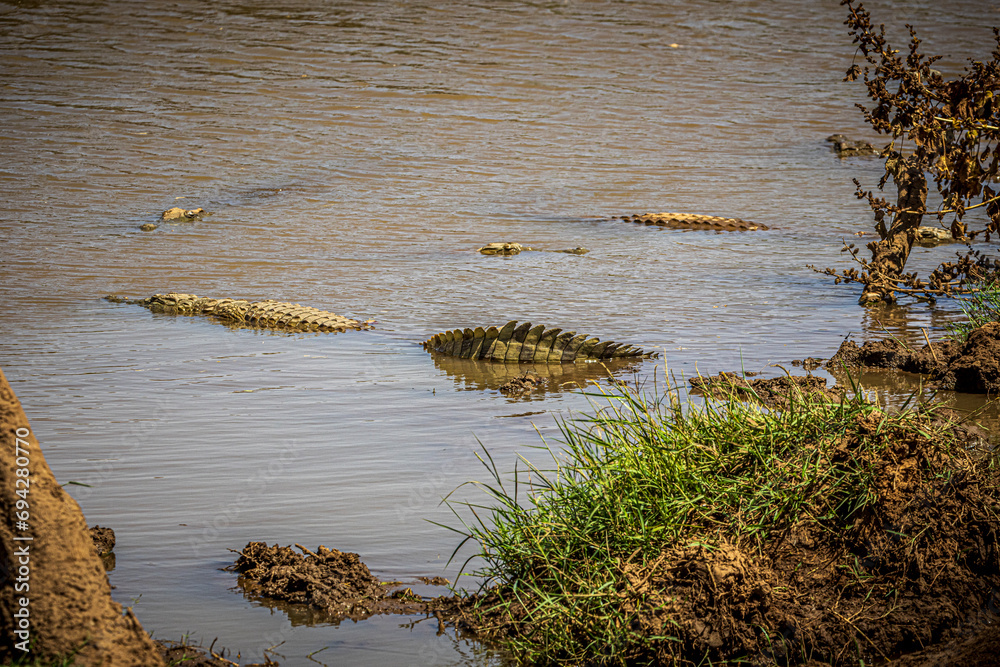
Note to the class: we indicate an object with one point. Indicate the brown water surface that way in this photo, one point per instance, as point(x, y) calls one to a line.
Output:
point(353, 156)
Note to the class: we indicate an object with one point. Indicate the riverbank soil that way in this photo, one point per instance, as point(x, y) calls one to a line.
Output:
point(913, 565)
point(54, 589)
point(972, 366)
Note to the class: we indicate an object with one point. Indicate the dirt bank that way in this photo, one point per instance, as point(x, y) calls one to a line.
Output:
point(972, 366)
point(57, 600)
point(910, 576)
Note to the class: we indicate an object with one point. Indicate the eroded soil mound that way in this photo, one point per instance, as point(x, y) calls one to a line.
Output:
point(773, 392)
point(971, 367)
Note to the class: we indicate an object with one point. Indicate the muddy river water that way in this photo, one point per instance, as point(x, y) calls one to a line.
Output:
point(353, 156)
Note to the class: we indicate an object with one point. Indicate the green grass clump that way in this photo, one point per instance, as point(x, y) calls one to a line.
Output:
point(643, 475)
point(981, 308)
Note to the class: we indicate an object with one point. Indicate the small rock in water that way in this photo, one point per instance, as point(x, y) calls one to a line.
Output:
point(521, 385)
point(103, 539)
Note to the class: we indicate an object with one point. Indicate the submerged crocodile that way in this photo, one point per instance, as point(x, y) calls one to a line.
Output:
point(526, 344)
point(508, 248)
point(268, 314)
point(694, 221)
point(845, 147)
point(510, 343)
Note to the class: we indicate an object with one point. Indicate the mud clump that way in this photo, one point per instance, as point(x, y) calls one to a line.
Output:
point(103, 539)
point(892, 355)
point(972, 366)
point(335, 583)
point(521, 385)
point(772, 392)
point(976, 366)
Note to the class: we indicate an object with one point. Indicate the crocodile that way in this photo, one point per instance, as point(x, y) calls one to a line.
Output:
point(178, 213)
point(512, 343)
point(694, 221)
point(174, 214)
point(508, 248)
point(845, 147)
point(267, 314)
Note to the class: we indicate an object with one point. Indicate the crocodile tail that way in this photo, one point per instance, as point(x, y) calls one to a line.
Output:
point(513, 343)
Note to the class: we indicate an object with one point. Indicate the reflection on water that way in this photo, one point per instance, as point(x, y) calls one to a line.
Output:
point(897, 389)
point(909, 323)
point(475, 375)
point(108, 561)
